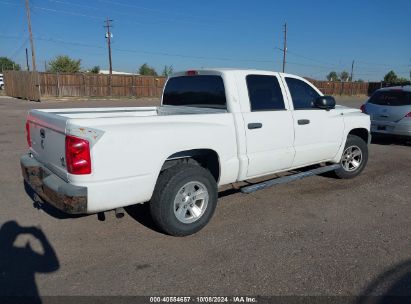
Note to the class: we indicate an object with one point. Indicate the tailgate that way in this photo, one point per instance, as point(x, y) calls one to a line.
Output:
point(47, 135)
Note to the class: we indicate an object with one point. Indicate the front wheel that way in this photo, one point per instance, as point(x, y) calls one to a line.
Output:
point(184, 199)
point(354, 157)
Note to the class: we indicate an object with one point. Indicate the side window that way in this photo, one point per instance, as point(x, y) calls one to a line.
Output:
point(265, 93)
point(302, 94)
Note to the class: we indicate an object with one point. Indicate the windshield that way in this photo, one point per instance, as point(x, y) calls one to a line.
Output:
point(391, 98)
point(204, 91)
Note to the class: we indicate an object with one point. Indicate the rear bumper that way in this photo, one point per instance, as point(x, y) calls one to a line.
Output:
point(390, 128)
point(51, 188)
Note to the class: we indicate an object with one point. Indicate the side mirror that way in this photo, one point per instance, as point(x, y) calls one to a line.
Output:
point(325, 102)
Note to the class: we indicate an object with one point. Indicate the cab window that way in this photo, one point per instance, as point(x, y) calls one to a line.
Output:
point(302, 94)
point(265, 93)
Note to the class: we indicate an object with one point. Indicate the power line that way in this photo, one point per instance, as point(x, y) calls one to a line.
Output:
point(129, 12)
point(140, 51)
point(191, 57)
point(81, 44)
point(10, 3)
point(331, 65)
point(150, 9)
point(66, 12)
point(14, 54)
point(99, 17)
point(308, 58)
point(87, 45)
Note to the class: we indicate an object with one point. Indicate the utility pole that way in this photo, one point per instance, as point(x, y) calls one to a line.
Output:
point(352, 71)
point(285, 46)
point(108, 36)
point(27, 60)
point(33, 54)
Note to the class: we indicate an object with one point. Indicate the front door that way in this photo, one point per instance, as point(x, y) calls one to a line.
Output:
point(318, 132)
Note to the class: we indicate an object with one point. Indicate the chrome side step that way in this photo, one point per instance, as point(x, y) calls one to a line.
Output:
point(289, 178)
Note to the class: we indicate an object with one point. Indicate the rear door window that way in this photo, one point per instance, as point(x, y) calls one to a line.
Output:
point(265, 93)
point(204, 91)
point(391, 98)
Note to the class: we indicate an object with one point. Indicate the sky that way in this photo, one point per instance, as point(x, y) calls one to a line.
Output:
point(322, 35)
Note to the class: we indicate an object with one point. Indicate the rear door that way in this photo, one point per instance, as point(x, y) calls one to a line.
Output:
point(318, 133)
point(269, 125)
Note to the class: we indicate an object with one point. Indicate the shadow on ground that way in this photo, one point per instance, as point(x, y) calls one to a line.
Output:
point(18, 265)
point(141, 213)
point(391, 140)
point(392, 286)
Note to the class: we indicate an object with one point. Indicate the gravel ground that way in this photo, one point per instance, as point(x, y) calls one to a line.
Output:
point(317, 236)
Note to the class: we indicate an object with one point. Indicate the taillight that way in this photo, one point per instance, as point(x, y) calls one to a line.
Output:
point(78, 155)
point(408, 115)
point(28, 133)
point(363, 109)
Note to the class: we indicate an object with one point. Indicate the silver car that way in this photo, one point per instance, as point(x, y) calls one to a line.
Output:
point(390, 111)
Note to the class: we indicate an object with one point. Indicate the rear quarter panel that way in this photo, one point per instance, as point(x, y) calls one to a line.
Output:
point(127, 158)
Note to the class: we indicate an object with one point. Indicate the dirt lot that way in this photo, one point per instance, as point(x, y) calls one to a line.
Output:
point(317, 236)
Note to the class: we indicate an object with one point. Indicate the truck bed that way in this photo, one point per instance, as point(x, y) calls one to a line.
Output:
point(91, 113)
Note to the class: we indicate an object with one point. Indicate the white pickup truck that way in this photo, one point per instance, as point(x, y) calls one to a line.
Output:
point(214, 127)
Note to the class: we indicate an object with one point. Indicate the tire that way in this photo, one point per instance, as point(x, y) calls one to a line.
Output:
point(184, 199)
point(354, 158)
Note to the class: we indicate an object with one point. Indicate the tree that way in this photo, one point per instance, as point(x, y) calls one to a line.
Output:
point(344, 76)
point(147, 70)
point(95, 69)
point(390, 77)
point(168, 70)
point(359, 80)
point(333, 76)
point(8, 64)
point(402, 80)
point(64, 64)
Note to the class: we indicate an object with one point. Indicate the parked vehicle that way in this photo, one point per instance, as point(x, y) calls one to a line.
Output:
point(1, 82)
point(390, 111)
point(214, 127)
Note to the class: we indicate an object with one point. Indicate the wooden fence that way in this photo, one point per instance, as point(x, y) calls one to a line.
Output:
point(34, 86)
point(347, 88)
point(22, 85)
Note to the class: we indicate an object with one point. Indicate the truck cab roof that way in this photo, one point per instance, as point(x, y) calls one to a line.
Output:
point(220, 71)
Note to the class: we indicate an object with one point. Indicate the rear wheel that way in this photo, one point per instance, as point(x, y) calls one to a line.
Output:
point(184, 199)
point(354, 157)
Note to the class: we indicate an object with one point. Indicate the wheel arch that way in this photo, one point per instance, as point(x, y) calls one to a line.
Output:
point(363, 133)
point(206, 158)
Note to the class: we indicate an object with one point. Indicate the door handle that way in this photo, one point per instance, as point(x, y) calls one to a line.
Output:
point(255, 125)
point(303, 122)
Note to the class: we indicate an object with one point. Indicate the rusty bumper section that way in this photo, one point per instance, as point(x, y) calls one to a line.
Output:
point(66, 197)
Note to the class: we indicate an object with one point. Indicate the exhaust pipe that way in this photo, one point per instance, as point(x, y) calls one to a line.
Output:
point(119, 212)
